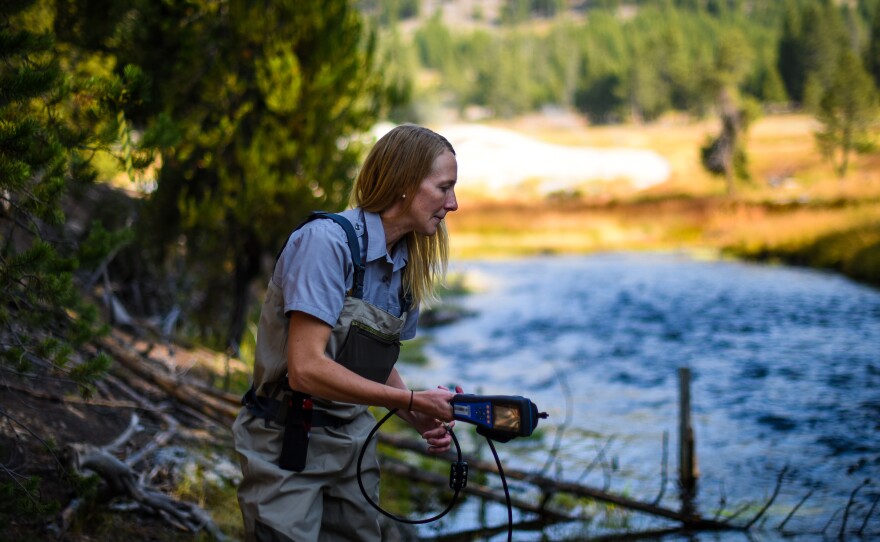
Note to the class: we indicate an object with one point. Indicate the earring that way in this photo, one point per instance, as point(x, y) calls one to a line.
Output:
point(403, 196)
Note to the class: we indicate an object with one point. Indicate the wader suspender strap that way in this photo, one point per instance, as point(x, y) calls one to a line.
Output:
point(357, 284)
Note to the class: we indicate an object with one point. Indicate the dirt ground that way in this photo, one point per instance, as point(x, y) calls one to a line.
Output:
point(43, 419)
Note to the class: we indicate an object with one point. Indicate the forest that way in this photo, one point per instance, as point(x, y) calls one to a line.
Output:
point(155, 155)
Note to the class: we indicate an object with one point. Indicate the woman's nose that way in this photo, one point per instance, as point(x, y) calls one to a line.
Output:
point(451, 202)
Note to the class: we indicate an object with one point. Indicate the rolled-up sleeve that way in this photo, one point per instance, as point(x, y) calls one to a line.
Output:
point(314, 271)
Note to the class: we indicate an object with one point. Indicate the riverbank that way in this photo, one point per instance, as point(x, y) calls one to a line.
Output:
point(837, 235)
point(793, 210)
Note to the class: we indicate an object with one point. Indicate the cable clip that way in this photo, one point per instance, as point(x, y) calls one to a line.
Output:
point(458, 473)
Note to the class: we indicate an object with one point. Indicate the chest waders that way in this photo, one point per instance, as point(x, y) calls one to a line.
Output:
point(365, 340)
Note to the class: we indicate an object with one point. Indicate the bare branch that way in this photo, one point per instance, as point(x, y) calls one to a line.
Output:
point(600, 455)
point(125, 436)
point(722, 501)
point(794, 510)
point(849, 504)
point(560, 428)
point(779, 480)
point(828, 523)
point(664, 468)
point(45, 444)
point(15, 478)
point(868, 515)
point(739, 511)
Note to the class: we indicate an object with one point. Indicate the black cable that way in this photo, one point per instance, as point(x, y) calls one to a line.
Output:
point(457, 488)
point(506, 491)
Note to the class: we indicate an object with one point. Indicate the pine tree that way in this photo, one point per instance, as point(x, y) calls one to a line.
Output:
point(43, 319)
point(269, 102)
point(872, 61)
point(725, 155)
point(790, 60)
point(848, 112)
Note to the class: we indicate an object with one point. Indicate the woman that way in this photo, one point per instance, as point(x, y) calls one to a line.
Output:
point(328, 339)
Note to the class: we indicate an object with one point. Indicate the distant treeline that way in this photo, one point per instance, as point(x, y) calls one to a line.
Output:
point(617, 60)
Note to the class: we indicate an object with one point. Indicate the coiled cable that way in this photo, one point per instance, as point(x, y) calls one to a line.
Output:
point(458, 480)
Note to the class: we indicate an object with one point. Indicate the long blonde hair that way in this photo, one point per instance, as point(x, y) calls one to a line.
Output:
point(395, 166)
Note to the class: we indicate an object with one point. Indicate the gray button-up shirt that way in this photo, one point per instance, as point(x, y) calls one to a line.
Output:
point(315, 269)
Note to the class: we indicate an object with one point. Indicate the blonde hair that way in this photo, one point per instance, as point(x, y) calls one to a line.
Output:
point(395, 166)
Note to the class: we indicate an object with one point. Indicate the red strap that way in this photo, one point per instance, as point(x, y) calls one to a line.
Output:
point(307, 407)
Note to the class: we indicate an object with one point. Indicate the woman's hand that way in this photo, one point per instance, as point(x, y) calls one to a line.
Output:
point(433, 430)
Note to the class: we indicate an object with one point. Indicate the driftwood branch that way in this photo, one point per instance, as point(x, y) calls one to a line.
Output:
point(121, 480)
point(598, 459)
point(70, 398)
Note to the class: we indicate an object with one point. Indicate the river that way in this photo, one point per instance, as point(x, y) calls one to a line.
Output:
point(785, 369)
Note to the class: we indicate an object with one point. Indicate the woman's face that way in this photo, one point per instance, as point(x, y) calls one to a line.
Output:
point(435, 196)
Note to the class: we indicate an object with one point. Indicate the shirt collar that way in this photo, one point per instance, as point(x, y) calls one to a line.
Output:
point(376, 243)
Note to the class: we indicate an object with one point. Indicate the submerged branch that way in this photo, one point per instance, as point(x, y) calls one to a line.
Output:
point(794, 510)
point(868, 516)
point(779, 480)
point(849, 504)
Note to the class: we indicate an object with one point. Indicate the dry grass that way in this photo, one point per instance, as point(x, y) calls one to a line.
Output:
point(780, 147)
point(793, 200)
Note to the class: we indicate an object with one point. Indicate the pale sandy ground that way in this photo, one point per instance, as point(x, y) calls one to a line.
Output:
point(502, 160)
point(503, 163)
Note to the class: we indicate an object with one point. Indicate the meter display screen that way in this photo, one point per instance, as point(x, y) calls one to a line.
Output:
point(506, 417)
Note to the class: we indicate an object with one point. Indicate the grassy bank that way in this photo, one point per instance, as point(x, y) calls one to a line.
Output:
point(793, 210)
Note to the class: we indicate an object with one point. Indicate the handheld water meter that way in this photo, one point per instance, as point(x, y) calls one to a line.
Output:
point(499, 417)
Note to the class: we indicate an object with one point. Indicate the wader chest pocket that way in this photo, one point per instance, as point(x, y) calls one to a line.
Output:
point(369, 352)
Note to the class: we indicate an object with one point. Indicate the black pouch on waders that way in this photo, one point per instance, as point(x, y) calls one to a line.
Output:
point(369, 352)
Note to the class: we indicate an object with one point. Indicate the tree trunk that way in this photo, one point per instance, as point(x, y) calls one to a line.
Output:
point(247, 268)
point(730, 131)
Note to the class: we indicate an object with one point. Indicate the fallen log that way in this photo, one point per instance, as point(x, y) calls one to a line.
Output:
point(177, 387)
point(548, 485)
point(420, 475)
point(484, 533)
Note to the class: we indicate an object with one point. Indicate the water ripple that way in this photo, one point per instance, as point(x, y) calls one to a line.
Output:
point(784, 361)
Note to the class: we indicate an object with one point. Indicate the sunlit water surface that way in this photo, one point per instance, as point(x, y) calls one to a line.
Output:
point(785, 373)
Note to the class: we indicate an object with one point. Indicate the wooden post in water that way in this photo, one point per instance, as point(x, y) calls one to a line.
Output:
point(687, 458)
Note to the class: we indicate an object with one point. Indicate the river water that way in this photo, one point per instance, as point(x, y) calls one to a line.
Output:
point(785, 369)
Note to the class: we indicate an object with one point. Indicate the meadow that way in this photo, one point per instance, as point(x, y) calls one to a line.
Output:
point(793, 209)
